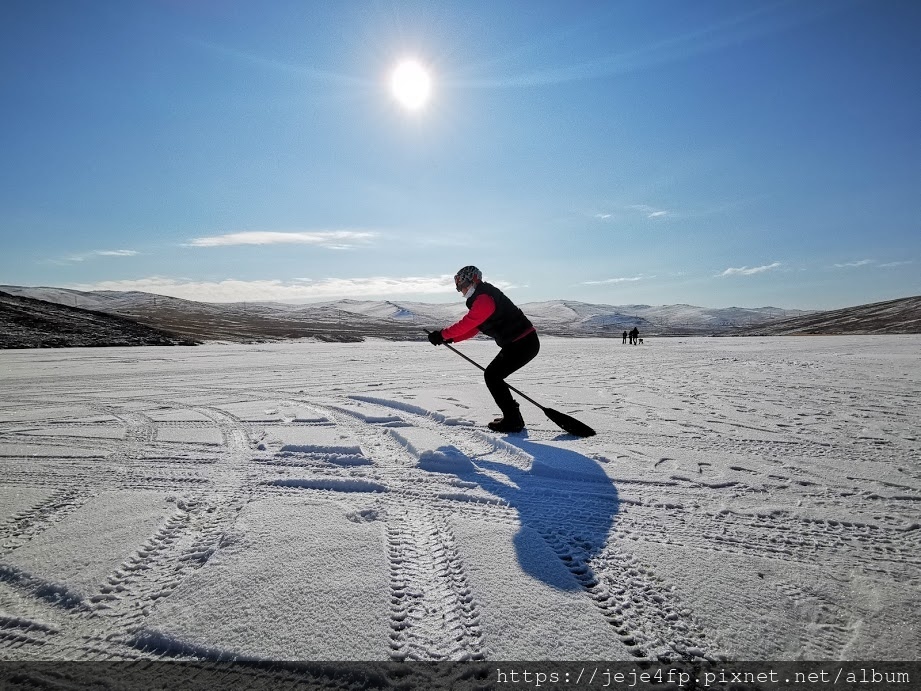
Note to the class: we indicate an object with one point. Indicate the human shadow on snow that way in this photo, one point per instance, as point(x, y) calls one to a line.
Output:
point(564, 501)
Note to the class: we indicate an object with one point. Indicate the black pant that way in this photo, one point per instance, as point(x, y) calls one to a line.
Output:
point(510, 359)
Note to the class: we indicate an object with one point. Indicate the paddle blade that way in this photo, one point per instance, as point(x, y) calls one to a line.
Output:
point(570, 424)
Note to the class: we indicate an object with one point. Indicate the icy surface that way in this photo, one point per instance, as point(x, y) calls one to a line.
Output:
point(748, 498)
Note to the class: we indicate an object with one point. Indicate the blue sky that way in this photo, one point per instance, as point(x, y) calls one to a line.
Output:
point(711, 153)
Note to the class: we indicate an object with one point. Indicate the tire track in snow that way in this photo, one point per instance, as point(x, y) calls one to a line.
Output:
point(433, 612)
point(25, 525)
point(889, 548)
point(649, 619)
point(100, 625)
point(646, 617)
point(826, 636)
point(404, 486)
point(229, 489)
point(783, 537)
point(103, 625)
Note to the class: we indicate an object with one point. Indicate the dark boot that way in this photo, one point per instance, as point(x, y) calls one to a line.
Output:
point(511, 421)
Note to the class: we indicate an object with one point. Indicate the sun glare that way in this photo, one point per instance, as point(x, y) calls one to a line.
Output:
point(411, 85)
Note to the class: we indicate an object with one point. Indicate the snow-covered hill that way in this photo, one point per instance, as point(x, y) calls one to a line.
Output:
point(31, 323)
point(891, 317)
point(356, 319)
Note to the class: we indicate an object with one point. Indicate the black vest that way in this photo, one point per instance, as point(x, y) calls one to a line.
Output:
point(508, 321)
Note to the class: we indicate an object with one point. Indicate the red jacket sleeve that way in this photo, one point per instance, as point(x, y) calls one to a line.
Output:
point(468, 327)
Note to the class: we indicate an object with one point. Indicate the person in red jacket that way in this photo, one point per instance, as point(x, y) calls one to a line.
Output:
point(492, 313)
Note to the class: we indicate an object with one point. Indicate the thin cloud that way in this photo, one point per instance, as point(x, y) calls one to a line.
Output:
point(872, 262)
point(95, 253)
point(851, 265)
point(650, 211)
point(331, 239)
point(612, 281)
point(297, 290)
point(749, 271)
point(116, 253)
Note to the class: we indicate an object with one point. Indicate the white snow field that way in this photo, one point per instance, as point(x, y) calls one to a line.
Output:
point(744, 499)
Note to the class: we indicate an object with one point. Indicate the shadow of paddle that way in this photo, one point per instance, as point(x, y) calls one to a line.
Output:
point(564, 500)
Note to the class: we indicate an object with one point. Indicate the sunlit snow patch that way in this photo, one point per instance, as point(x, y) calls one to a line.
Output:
point(272, 411)
point(445, 459)
point(81, 431)
point(169, 414)
point(350, 450)
point(56, 450)
point(66, 414)
point(190, 435)
point(416, 410)
point(333, 484)
point(559, 463)
point(316, 443)
point(368, 416)
point(432, 452)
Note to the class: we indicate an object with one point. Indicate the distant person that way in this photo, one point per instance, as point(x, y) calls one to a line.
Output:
point(634, 334)
point(492, 313)
point(625, 337)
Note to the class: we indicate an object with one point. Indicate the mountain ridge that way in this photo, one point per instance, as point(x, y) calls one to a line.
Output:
point(351, 320)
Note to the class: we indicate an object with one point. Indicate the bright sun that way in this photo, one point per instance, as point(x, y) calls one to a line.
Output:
point(411, 84)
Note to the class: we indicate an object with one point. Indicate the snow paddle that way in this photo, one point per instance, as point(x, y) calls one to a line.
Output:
point(566, 422)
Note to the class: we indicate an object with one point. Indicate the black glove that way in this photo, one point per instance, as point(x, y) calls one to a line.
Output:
point(436, 339)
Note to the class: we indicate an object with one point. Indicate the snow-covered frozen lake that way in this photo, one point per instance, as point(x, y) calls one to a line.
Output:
point(744, 499)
